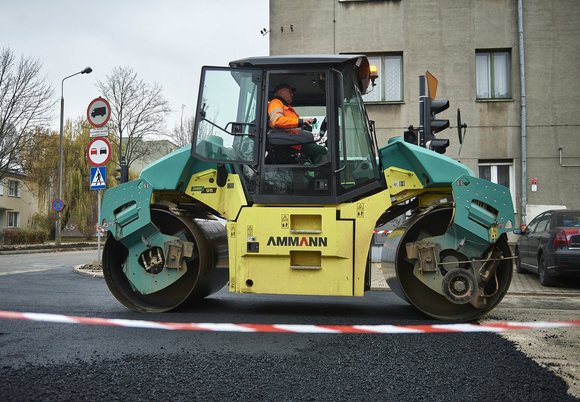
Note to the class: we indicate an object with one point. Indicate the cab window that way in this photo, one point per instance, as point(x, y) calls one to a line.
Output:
point(227, 116)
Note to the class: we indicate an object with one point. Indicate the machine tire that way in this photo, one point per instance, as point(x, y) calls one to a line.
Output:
point(435, 223)
point(186, 288)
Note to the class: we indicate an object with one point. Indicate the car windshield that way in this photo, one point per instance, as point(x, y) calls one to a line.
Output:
point(569, 219)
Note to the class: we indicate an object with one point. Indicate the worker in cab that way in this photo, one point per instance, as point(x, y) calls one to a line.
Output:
point(282, 115)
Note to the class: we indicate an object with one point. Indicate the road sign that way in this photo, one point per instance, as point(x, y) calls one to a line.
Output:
point(99, 151)
point(99, 132)
point(99, 112)
point(58, 205)
point(98, 178)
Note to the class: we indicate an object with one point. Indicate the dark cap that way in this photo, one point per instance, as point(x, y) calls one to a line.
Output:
point(284, 85)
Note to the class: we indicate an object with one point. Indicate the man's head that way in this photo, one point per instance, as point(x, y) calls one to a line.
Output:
point(285, 92)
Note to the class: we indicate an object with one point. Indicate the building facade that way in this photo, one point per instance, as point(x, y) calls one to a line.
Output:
point(17, 202)
point(473, 48)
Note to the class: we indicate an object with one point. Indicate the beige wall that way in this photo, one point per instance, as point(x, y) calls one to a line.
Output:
point(157, 149)
point(26, 203)
point(442, 37)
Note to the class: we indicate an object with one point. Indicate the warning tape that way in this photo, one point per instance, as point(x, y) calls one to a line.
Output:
point(382, 232)
point(289, 328)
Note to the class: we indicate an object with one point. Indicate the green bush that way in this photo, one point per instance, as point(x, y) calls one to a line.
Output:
point(23, 236)
point(41, 222)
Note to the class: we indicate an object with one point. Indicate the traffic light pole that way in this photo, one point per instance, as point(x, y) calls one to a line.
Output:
point(423, 110)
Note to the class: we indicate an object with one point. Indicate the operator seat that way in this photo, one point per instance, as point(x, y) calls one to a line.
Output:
point(279, 146)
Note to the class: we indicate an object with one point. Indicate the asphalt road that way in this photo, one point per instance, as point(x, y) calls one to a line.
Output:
point(48, 361)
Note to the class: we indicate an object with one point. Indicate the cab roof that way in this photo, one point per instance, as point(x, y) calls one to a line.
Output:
point(294, 60)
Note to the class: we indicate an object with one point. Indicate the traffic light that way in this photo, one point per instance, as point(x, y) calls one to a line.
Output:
point(428, 109)
point(122, 174)
point(411, 135)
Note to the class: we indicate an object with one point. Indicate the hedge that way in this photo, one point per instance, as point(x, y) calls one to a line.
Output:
point(22, 236)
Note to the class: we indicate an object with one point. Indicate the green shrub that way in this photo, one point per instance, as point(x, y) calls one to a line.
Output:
point(23, 236)
point(42, 222)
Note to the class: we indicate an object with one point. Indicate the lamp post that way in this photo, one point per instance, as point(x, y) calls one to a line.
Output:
point(86, 70)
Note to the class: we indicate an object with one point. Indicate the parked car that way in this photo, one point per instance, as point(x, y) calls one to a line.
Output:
point(550, 246)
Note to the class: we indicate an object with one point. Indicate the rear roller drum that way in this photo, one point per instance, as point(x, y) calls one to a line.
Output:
point(462, 296)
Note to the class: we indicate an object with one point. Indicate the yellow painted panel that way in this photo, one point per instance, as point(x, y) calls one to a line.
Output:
point(226, 200)
point(268, 256)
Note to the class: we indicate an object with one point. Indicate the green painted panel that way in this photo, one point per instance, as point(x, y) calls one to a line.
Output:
point(431, 168)
point(172, 172)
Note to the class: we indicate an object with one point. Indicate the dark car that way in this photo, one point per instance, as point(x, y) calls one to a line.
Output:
point(550, 246)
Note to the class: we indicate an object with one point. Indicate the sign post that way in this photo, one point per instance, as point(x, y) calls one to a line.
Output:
point(99, 153)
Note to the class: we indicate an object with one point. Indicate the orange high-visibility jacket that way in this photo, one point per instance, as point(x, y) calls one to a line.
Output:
point(283, 115)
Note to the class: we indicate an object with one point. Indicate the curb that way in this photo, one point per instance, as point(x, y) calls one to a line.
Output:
point(90, 273)
point(47, 250)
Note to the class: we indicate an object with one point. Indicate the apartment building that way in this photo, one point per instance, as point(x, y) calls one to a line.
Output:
point(474, 48)
point(17, 202)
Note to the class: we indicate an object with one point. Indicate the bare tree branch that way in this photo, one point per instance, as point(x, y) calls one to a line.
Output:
point(137, 110)
point(25, 104)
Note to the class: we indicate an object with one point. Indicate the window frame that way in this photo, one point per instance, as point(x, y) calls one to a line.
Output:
point(14, 192)
point(493, 164)
point(13, 219)
point(491, 83)
point(381, 72)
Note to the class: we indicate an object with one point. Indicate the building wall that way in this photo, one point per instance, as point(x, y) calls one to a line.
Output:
point(156, 150)
point(25, 203)
point(442, 37)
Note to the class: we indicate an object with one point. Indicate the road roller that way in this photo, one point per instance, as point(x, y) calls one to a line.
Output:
point(291, 210)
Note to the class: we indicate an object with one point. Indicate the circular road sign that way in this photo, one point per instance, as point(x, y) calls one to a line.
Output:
point(99, 112)
point(99, 151)
point(58, 205)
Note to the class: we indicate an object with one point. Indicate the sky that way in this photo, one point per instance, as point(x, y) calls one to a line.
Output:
point(165, 42)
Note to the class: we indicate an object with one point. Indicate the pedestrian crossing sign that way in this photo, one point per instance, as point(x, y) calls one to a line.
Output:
point(98, 178)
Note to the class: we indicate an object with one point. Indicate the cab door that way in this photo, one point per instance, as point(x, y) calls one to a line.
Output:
point(228, 115)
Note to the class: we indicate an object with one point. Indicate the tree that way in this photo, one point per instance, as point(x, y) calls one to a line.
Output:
point(137, 110)
point(182, 135)
point(25, 104)
point(40, 162)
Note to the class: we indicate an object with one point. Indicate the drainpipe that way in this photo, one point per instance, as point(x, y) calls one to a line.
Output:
point(523, 112)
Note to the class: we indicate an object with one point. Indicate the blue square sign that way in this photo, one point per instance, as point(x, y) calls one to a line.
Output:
point(98, 178)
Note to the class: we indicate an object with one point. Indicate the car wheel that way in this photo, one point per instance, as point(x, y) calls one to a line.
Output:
point(545, 280)
point(519, 268)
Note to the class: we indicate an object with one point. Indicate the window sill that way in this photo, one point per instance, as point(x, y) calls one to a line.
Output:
point(488, 100)
point(384, 103)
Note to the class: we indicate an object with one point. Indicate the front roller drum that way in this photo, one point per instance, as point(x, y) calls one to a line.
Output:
point(205, 273)
point(461, 296)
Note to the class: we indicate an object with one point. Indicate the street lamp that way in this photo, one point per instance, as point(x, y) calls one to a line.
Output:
point(87, 70)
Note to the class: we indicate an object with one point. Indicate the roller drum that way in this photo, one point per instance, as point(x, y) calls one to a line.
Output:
point(454, 288)
point(206, 270)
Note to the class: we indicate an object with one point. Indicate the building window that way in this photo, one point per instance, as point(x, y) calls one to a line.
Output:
point(13, 219)
point(1, 187)
point(492, 73)
point(389, 85)
point(499, 172)
point(13, 188)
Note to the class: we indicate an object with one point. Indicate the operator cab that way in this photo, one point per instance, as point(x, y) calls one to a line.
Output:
point(232, 129)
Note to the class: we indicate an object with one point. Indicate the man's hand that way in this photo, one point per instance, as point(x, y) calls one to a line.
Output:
point(308, 120)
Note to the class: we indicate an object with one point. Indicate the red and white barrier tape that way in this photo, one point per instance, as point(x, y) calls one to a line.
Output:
point(289, 328)
point(382, 232)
